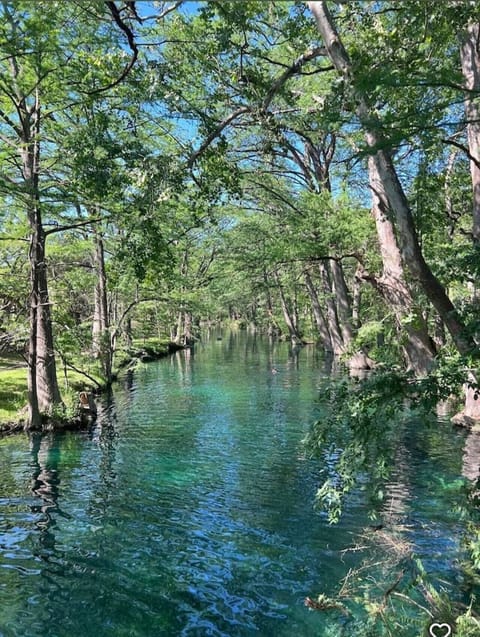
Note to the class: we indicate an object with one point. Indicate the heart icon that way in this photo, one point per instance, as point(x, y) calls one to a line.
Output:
point(440, 630)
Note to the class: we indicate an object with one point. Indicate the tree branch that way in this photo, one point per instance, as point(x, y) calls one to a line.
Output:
point(164, 13)
point(11, 123)
point(72, 226)
point(215, 133)
point(276, 86)
point(131, 43)
point(79, 371)
point(464, 149)
point(279, 196)
point(168, 10)
point(311, 54)
point(129, 307)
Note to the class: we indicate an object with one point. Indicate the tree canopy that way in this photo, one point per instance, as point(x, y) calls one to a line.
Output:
point(307, 169)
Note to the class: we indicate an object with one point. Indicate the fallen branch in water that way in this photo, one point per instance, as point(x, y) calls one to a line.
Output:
point(325, 603)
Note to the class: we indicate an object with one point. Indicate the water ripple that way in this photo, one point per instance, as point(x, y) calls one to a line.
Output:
point(188, 509)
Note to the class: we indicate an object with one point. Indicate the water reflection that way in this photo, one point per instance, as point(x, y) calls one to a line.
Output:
point(398, 490)
point(471, 456)
point(187, 509)
point(45, 485)
point(128, 380)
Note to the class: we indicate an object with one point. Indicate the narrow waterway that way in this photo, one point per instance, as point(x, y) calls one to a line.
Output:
point(188, 508)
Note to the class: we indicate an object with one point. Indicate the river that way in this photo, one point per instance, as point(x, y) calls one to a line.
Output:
point(188, 508)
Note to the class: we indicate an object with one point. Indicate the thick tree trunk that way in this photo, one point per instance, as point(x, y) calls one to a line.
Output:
point(184, 329)
point(392, 201)
point(47, 385)
point(320, 320)
point(470, 59)
point(418, 348)
point(43, 391)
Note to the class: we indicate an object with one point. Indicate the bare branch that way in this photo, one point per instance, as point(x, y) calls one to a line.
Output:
point(464, 149)
point(72, 226)
point(164, 13)
point(216, 132)
point(311, 54)
point(79, 371)
point(131, 43)
point(168, 10)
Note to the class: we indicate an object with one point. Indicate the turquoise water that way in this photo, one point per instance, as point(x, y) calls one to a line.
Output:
point(188, 508)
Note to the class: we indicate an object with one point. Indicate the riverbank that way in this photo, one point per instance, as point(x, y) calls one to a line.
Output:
point(73, 379)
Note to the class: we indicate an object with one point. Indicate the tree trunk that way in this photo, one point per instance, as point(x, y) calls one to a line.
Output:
point(343, 301)
point(288, 314)
point(101, 344)
point(100, 310)
point(320, 321)
point(273, 327)
point(332, 317)
point(47, 384)
point(392, 200)
point(43, 391)
point(127, 333)
point(188, 335)
point(179, 328)
point(357, 298)
point(386, 185)
point(470, 59)
point(34, 418)
point(418, 348)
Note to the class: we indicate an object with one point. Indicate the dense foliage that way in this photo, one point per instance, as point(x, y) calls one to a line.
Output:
point(221, 158)
point(309, 171)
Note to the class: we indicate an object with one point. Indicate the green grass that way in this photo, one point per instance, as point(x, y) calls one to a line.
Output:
point(13, 384)
point(158, 345)
point(13, 391)
point(13, 376)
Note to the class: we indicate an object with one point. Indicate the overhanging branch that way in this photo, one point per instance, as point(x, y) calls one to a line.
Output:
point(311, 54)
point(276, 86)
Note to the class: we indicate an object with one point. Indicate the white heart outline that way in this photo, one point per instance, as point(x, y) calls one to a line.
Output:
point(437, 625)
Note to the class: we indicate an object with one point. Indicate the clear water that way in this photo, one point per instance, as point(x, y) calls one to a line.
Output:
point(188, 509)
